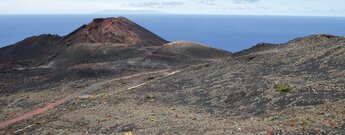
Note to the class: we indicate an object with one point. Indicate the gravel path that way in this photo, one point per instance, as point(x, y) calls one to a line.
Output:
point(57, 103)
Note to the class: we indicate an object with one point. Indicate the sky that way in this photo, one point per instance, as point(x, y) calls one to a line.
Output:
point(231, 7)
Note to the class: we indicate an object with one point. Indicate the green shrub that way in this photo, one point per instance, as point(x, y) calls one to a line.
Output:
point(282, 88)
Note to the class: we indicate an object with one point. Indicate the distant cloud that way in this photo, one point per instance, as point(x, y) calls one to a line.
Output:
point(172, 4)
point(207, 2)
point(119, 11)
point(144, 4)
point(245, 1)
point(214, 2)
point(157, 4)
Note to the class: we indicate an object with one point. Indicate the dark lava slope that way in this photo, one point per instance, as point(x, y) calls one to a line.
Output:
point(31, 50)
point(312, 68)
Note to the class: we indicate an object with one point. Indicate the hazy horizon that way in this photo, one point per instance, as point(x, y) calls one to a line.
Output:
point(216, 7)
point(162, 13)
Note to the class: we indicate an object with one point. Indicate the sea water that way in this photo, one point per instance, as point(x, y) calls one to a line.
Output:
point(228, 32)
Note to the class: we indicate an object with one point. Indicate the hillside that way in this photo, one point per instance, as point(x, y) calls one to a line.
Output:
point(190, 49)
point(102, 86)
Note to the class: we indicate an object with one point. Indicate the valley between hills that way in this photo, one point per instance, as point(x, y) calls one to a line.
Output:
point(112, 76)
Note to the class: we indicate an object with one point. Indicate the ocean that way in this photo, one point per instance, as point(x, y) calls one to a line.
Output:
point(228, 32)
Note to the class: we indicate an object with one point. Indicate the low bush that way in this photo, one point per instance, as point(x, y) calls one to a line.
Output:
point(282, 88)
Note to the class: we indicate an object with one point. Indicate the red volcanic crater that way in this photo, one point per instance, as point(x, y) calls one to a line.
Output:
point(113, 30)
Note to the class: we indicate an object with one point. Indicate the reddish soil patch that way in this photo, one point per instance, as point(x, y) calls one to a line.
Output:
point(49, 106)
point(33, 113)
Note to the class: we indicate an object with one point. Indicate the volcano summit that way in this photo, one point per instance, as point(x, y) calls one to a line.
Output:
point(113, 30)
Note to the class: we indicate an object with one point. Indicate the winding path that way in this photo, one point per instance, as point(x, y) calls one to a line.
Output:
point(57, 103)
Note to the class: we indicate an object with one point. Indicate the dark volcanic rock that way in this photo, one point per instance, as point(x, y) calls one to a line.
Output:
point(36, 47)
point(190, 49)
point(313, 67)
point(32, 51)
point(257, 48)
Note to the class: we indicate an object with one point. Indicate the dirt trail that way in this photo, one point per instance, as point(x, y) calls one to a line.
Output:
point(57, 103)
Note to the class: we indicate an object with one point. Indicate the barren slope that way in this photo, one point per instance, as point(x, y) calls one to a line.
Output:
point(177, 88)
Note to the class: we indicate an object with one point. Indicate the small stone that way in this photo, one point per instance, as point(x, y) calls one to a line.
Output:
point(239, 129)
point(320, 113)
point(150, 96)
point(334, 125)
point(242, 108)
point(270, 131)
point(342, 125)
point(85, 97)
point(2, 117)
point(272, 118)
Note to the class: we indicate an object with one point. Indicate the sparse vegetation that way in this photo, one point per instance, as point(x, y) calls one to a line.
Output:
point(181, 89)
point(282, 88)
